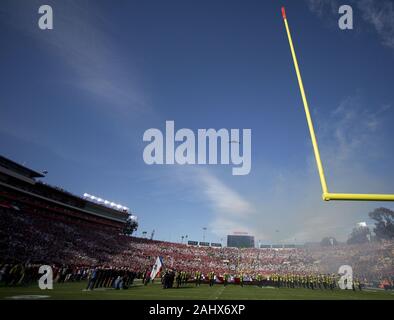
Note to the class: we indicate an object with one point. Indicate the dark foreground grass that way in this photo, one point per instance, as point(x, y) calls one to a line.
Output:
point(75, 291)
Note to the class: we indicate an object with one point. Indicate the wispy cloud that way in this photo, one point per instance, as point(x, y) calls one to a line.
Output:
point(85, 60)
point(320, 7)
point(380, 14)
point(226, 209)
point(290, 208)
point(353, 126)
point(348, 142)
point(89, 58)
point(231, 211)
point(223, 198)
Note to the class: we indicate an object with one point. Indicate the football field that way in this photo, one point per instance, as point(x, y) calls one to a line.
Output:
point(75, 291)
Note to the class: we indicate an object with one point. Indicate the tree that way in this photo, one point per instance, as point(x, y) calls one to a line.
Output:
point(131, 225)
point(328, 242)
point(359, 235)
point(384, 225)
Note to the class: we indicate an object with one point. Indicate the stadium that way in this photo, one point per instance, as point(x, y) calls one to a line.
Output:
point(254, 138)
point(93, 255)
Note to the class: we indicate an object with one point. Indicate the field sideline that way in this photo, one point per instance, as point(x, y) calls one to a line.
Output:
point(75, 291)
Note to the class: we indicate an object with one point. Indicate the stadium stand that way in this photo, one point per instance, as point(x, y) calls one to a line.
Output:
point(41, 224)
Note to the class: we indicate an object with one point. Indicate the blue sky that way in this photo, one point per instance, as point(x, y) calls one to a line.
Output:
point(76, 101)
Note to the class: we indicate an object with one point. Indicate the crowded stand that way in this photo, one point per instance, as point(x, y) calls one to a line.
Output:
point(77, 247)
point(82, 241)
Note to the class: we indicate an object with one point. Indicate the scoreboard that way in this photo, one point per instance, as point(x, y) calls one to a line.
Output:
point(240, 241)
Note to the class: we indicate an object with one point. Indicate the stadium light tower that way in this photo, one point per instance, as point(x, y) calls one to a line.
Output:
point(327, 196)
point(203, 233)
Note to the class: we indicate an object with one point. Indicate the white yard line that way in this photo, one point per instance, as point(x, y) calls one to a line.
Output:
point(219, 293)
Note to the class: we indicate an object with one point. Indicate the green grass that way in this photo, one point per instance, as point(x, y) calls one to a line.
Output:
point(74, 291)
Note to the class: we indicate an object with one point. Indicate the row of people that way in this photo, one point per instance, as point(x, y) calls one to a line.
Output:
point(38, 238)
point(311, 281)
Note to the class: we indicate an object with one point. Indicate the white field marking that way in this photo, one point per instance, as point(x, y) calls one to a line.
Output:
point(28, 297)
point(219, 293)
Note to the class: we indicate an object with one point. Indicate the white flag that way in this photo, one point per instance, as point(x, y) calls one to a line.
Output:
point(156, 268)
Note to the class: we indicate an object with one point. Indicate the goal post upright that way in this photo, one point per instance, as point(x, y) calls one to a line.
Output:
point(306, 107)
point(327, 196)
